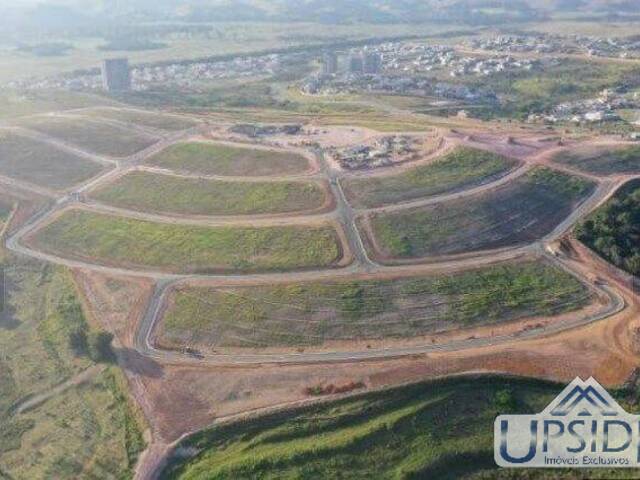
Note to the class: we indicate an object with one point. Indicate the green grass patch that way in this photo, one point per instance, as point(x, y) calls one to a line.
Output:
point(188, 249)
point(602, 160)
point(312, 313)
point(92, 135)
point(520, 212)
point(216, 159)
point(42, 164)
point(438, 429)
point(613, 230)
point(151, 192)
point(459, 169)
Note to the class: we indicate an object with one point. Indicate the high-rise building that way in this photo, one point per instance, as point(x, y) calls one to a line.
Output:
point(355, 64)
point(371, 63)
point(329, 63)
point(115, 75)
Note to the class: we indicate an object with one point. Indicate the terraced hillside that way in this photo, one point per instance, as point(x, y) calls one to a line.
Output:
point(92, 135)
point(462, 168)
point(126, 242)
point(602, 160)
point(438, 429)
point(216, 159)
point(37, 162)
point(520, 212)
point(158, 193)
point(310, 314)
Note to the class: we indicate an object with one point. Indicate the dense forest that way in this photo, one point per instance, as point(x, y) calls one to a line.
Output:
point(614, 229)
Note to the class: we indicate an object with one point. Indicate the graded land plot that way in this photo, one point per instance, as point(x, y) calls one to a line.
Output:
point(601, 160)
point(440, 429)
point(92, 135)
point(159, 193)
point(157, 120)
point(613, 230)
point(126, 242)
point(313, 313)
point(89, 430)
point(522, 211)
point(464, 167)
point(37, 162)
point(217, 159)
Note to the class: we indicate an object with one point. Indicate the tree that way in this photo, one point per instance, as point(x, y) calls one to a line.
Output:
point(100, 350)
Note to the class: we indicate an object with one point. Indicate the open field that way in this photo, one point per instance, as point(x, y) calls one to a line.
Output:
point(42, 164)
point(522, 211)
point(461, 168)
point(313, 313)
point(215, 159)
point(15, 104)
point(614, 230)
point(140, 190)
point(179, 248)
point(602, 160)
point(88, 430)
point(92, 135)
point(158, 120)
point(439, 429)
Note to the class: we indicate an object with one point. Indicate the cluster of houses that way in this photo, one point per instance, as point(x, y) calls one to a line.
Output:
point(181, 74)
point(623, 47)
point(600, 109)
point(389, 150)
point(521, 44)
point(491, 66)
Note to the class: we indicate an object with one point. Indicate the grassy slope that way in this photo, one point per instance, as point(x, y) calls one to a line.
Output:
point(147, 119)
point(212, 159)
point(440, 429)
point(169, 194)
point(32, 161)
point(614, 229)
point(90, 431)
point(603, 161)
point(301, 314)
point(521, 211)
point(92, 135)
point(454, 171)
point(180, 248)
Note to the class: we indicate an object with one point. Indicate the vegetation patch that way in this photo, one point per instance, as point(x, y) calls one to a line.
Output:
point(215, 159)
point(313, 313)
point(614, 229)
point(459, 169)
point(42, 164)
point(187, 249)
point(91, 430)
point(95, 136)
point(170, 194)
point(602, 160)
point(438, 429)
point(520, 212)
